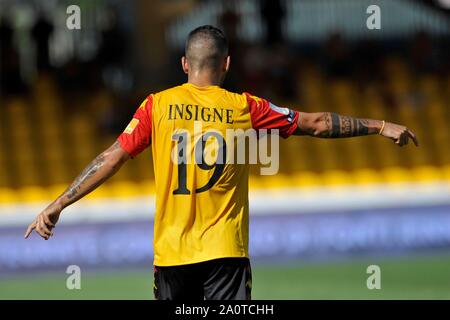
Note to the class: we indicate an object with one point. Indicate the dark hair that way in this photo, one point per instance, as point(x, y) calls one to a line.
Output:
point(206, 46)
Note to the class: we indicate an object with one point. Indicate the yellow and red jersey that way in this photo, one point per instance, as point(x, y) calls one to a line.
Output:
point(201, 209)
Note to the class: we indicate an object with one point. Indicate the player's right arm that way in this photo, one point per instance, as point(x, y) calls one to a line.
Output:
point(135, 138)
point(98, 171)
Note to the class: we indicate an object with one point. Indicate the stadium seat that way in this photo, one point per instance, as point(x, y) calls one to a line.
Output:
point(48, 142)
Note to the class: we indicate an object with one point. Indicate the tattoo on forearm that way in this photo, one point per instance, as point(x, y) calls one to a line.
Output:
point(339, 126)
point(87, 173)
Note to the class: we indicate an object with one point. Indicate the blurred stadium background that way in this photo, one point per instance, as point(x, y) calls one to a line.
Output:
point(335, 208)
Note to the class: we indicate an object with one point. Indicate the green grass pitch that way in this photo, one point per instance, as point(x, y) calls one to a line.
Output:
point(401, 278)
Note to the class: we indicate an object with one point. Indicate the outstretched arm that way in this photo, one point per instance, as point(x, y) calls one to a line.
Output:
point(98, 171)
point(333, 125)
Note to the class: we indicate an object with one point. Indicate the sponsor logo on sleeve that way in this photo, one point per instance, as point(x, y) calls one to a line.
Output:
point(286, 111)
point(275, 108)
point(291, 116)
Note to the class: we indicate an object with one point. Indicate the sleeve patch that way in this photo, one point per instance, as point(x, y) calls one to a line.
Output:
point(275, 108)
point(266, 115)
point(131, 126)
point(291, 116)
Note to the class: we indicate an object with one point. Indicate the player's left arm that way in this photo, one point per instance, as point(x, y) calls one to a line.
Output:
point(333, 125)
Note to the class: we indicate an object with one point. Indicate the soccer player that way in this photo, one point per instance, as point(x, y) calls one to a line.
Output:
point(202, 222)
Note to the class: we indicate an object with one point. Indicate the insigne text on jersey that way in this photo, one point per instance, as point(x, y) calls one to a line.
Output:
point(196, 113)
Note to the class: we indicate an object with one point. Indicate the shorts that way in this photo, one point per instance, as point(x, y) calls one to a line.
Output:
point(219, 279)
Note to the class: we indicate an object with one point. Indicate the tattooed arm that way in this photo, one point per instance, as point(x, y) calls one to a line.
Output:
point(332, 125)
point(98, 171)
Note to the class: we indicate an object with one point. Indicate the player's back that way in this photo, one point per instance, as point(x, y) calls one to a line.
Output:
point(201, 188)
point(202, 200)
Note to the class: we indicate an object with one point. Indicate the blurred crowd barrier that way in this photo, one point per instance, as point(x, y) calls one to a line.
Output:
point(307, 224)
point(63, 103)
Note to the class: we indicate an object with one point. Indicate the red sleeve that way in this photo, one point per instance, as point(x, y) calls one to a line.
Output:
point(137, 135)
point(266, 115)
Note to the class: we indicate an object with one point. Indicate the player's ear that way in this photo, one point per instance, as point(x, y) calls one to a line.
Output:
point(184, 64)
point(226, 65)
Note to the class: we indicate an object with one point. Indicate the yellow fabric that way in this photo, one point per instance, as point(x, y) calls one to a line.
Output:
point(199, 226)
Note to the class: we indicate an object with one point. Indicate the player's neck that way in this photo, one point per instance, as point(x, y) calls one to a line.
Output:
point(205, 79)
